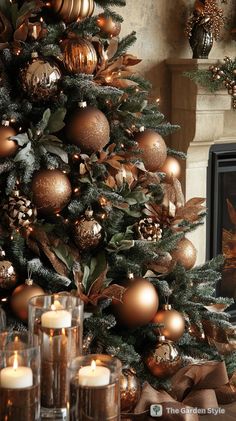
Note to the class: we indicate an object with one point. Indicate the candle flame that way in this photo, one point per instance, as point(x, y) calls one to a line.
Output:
point(15, 361)
point(16, 339)
point(93, 365)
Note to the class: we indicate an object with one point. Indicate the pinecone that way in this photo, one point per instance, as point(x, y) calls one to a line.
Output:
point(149, 230)
point(19, 212)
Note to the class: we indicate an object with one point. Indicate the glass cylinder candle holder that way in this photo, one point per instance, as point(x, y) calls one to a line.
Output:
point(94, 389)
point(19, 377)
point(2, 320)
point(58, 321)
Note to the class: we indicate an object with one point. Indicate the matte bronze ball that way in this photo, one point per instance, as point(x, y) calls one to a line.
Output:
point(140, 304)
point(185, 254)
point(7, 275)
point(173, 323)
point(108, 26)
point(88, 128)
point(171, 168)
point(51, 191)
point(72, 10)
point(39, 79)
point(8, 147)
point(79, 55)
point(21, 296)
point(153, 149)
point(164, 360)
point(130, 389)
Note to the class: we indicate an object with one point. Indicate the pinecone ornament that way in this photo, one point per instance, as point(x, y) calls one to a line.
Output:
point(149, 230)
point(19, 212)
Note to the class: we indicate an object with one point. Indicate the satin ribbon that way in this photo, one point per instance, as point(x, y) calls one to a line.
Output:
point(203, 385)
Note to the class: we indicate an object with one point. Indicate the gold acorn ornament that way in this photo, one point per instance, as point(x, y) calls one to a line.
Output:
point(185, 254)
point(88, 128)
point(130, 389)
point(71, 10)
point(40, 78)
point(7, 273)
point(79, 55)
point(19, 212)
point(87, 232)
point(164, 359)
point(153, 149)
point(172, 321)
point(8, 147)
point(21, 296)
point(51, 191)
point(139, 303)
point(108, 26)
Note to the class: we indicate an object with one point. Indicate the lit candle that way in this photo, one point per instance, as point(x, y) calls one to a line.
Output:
point(16, 377)
point(94, 375)
point(56, 319)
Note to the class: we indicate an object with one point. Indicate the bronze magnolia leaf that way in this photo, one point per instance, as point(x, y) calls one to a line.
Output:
point(232, 212)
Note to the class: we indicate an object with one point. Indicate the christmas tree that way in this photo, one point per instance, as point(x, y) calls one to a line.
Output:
point(90, 200)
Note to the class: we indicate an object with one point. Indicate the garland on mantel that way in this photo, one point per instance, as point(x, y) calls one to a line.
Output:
point(217, 76)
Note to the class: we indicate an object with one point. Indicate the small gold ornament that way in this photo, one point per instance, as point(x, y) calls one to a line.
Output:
point(173, 323)
point(87, 232)
point(139, 303)
point(7, 273)
point(8, 147)
point(149, 230)
point(171, 168)
point(19, 212)
point(108, 26)
point(130, 389)
point(21, 296)
point(185, 254)
point(51, 191)
point(72, 10)
point(88, 128)
point(79, 55)
point(153, 149)
point(40, 79)
point(164, 360)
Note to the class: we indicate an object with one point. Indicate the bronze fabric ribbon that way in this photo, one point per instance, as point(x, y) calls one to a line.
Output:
point(203, 385)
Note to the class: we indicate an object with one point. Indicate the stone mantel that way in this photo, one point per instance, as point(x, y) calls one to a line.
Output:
point(205, 118)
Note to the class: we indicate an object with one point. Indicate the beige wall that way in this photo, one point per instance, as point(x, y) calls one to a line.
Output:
point(159, 25)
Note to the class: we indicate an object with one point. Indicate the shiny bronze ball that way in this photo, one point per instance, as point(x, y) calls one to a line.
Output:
point(21, 296)
point(164, 360)
point(171, 168)
point(7, 275)
point(130, 389)
point(108, 26)
point(39, 79)
point(72, 10)
point(153, 149)
point(140, 304)
point(8, 147)
point(51, 191)
point(88, 128)
point(185, 254)
point(173, 323)
point(87, 232)
point(79, 55)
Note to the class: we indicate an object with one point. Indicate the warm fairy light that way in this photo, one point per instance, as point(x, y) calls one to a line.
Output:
point(76, 156)
point(58, 215)
point(15, 361)
point(93, 365)
point(203, 335)
point(41, 19)
point(108, 78)
point(137, 90)
point(158, 100)
point(64, 172)
point(103, 201)
point(119, 73)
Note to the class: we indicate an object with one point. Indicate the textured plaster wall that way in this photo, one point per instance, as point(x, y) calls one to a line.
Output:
point(160, 31)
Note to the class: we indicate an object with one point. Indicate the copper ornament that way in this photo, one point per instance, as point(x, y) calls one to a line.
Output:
point(108, 26)
point(51, 191)
point(87, 232)
point(185, 254)
point(130, 389)
point(153, 149)
point(79, 55)
point(164, 360)
point(171, 168)
point(139, 304)
point(7, 275)
point(173, 323)
point(18, 211)
point(39, 79)
point(89, 129)
point(21, 296)
point(72, 10)
point(7, 147)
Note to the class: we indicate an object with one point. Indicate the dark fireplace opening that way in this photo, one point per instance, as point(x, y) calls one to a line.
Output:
point(221, 219)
